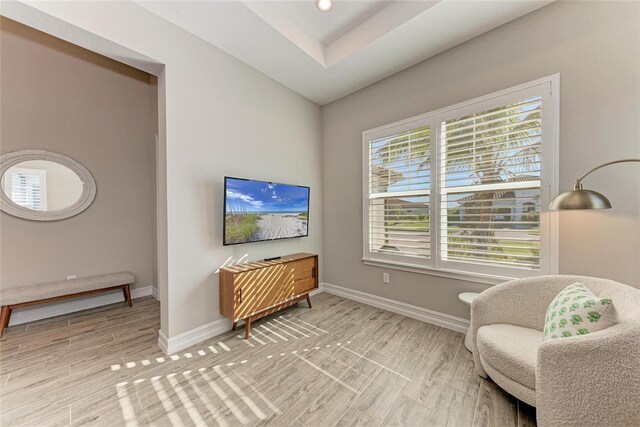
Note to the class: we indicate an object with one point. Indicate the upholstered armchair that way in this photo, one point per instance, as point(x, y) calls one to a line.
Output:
point(583, 380)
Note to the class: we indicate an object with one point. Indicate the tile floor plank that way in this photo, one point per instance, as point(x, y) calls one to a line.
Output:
point(494, 407)
point(341, 363)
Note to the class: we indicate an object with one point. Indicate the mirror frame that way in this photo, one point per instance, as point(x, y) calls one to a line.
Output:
point(86, 198)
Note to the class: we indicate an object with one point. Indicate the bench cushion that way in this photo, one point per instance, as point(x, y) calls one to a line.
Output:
point(29, 293)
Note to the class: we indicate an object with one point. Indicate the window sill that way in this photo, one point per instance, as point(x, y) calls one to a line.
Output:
point(449, 274)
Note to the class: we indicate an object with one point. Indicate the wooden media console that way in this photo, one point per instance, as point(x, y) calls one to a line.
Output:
point(251, 291)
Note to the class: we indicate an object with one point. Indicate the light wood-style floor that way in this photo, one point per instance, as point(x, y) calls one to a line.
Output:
point(340, 363)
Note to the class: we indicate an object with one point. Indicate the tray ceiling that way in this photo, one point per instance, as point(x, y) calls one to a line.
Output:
point(327, 55)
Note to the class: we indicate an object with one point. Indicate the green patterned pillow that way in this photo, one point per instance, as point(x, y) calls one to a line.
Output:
point(577, 311)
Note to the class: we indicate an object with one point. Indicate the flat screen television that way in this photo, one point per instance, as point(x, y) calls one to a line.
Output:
point(255, 211)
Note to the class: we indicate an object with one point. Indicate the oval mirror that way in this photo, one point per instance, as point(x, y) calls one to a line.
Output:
point(44, 186)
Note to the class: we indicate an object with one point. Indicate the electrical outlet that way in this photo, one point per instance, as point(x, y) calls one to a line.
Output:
point(72, 277)
point(385, 278)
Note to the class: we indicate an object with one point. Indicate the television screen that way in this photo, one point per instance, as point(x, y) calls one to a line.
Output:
point(258, 210)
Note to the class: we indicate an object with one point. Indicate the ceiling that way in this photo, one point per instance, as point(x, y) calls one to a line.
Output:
point(328, 27)
point(327, 55)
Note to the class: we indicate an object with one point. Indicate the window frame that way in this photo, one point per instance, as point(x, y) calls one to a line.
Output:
point(548, 88)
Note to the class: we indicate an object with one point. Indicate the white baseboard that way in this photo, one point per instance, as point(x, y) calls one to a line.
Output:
point(199, 334)
point(317, 291)
point(220, 326)
point(26, 315)
point(163, 342)
point(436, 318)
point(192, 337)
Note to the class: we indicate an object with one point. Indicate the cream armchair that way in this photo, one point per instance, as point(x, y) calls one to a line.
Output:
point(584, 380)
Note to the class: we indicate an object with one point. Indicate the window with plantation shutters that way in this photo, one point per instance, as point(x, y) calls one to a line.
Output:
point(490, 186)
point(399, 192)
point(465, 189)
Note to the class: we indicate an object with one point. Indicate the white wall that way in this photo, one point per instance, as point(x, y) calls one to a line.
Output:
point(222, 118)
point(595, 46)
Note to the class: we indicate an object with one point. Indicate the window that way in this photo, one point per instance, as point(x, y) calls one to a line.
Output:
point(399, 187)
point(465, 189)
point(27, 187)
point(528, 207)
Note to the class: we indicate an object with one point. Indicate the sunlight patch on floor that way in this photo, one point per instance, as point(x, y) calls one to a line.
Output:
point(230, 392)
point(225, 398)
point(165, 401)
point(186, 401)
point(205, 400)
point(128, 414)
point(237, 390)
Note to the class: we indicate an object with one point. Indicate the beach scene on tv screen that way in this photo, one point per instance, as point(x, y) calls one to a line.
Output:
point(257, 210)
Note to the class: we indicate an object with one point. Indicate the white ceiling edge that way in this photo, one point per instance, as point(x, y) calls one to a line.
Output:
point(289, 29)
point(35, 18)
point(389, 18)
point(234, 28)
point(392, 16)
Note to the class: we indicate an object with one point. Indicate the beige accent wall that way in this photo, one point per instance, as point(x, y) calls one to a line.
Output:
point(595, 46)
point(62, 98)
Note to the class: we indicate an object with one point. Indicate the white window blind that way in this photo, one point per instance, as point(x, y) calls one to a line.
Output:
point(485, 168)
point(27, 188)
point(399, 193)
point(490, 186)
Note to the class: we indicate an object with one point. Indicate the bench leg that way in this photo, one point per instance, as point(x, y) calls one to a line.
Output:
point(6, 323)
point(5, 314)
point(127, 294)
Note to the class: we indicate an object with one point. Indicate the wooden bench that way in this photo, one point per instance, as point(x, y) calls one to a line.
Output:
point(25, 296)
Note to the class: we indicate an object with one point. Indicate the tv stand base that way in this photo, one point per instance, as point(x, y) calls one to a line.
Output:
point(251, 291)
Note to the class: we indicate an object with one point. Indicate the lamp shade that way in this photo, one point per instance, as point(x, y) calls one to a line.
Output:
point(580, 199)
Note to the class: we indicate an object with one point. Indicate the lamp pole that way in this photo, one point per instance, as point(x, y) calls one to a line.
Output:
point(579, 198)
point(578, 184)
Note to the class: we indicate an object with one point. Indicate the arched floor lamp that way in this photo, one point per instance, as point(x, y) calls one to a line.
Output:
point(578, 198)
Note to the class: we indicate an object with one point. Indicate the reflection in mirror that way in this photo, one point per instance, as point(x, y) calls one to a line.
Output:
point(42, 185)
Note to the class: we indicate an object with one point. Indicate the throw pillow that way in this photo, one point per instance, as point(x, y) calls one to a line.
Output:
point(577, 311)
